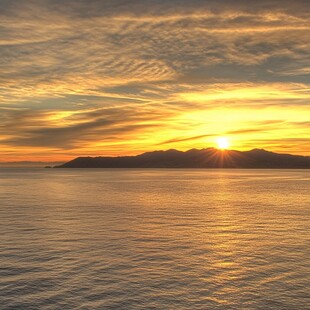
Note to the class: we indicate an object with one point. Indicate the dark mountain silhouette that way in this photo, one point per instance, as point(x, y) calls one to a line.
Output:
point(205, 158)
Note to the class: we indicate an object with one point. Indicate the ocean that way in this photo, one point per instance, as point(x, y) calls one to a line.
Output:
point(154, 239)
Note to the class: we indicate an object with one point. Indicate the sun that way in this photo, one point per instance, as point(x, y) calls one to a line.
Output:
point(222, 143)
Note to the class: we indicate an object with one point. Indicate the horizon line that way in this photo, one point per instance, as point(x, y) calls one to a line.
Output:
point(29, 162)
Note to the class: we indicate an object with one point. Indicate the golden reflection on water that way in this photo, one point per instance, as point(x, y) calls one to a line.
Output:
point(197, 239)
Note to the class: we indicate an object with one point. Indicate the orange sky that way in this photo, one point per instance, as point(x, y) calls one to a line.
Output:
point(83, 78)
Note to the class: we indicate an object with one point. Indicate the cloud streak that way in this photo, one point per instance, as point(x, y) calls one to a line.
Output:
point(96, 76)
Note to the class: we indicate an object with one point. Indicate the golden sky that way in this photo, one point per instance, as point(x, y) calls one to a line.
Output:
point(90, 77)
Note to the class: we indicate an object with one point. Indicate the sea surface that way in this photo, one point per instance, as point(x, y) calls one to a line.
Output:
point(154, 239)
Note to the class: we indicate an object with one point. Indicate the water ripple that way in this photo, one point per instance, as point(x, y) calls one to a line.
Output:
point(154, 239)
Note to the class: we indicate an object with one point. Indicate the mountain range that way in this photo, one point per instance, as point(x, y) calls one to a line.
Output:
point(204, 158)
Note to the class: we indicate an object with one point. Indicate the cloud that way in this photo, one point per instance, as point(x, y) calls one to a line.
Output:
point(175, 140)
point(72, 129)
point(123, 69)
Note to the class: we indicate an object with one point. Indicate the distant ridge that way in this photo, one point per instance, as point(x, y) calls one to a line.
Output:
point(205, 158)
point(28, 164)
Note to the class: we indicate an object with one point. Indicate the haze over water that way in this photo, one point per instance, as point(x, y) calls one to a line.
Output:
point(154, 239)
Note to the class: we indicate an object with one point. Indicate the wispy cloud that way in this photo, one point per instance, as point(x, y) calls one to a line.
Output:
point(97, 75)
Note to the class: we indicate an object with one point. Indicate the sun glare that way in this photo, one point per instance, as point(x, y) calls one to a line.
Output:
point(222, 143)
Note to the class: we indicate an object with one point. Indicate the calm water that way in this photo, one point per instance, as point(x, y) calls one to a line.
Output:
point(154, 239)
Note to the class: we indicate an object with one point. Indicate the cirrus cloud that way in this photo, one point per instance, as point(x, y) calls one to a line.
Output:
point(96, 76)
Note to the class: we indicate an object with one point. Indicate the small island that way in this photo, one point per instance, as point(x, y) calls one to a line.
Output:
point(204, 158)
